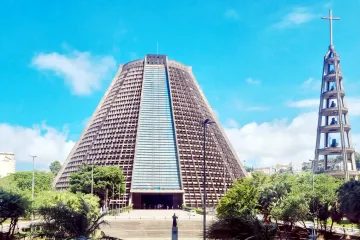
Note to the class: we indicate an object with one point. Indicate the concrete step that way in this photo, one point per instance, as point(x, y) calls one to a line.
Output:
point(153, 229)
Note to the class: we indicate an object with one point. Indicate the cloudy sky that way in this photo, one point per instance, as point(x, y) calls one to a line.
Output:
point(258, 62)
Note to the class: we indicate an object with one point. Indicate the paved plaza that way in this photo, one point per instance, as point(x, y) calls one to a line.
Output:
point(154, 224)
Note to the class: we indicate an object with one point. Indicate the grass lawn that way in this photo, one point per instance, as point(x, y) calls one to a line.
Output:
point(343, 222)
point(20, 220)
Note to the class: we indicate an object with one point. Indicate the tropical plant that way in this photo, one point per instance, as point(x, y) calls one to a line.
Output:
point(72, 200)
point(64, 222)
point(241, 227)
point(12, 207)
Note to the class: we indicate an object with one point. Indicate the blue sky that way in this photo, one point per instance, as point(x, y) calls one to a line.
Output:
point(259, 64)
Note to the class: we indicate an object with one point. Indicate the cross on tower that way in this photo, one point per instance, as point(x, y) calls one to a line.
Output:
point(330, 18)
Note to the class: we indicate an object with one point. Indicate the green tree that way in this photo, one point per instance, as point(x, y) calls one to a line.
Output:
point(349, 200)
point(271, 196)
point(64, 222)
point(55, 167)
point(241, 227)
point(323, 200)
point(108, 181)
point(259, 179)
point(72, 200)
point(12, 207)
point(293, 208)
point(241, 199)
point(249, 169)
point(22, 181)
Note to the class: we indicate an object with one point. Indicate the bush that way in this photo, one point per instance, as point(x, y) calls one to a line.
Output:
point(52, 198)
point(241, 227)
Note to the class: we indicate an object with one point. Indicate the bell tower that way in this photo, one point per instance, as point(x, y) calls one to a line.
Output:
point(333, 139)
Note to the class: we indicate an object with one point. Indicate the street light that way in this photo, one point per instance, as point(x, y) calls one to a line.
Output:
point(313, 186)
point(92, 178)
point(204, 123)
point(32, 189)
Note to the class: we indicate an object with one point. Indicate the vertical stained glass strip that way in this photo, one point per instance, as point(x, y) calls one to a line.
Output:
point(156, 161)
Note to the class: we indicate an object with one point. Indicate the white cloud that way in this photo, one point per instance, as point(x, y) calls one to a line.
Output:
point(279, 141)
point(311, 84)
point(82, 72)
point(353, 104)
point(252, 81)
point(296, 17)
point(45, 142)
point(306, 103)
point(231, 14)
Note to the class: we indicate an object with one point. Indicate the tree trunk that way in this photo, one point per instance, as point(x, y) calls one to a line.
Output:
point(11, 228)
point(106, 199)
point(14, 226)
point(278, 229)
point(331, 226)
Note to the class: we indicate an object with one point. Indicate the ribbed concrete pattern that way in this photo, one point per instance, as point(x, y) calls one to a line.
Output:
point(109, 138)
point(190, 109)
point(112, 133)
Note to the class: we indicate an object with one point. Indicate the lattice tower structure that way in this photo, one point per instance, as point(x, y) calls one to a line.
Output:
point(334, 130)
point(149, 123)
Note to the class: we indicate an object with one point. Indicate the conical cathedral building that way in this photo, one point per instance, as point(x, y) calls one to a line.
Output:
point(334, 146)
point(150, 123)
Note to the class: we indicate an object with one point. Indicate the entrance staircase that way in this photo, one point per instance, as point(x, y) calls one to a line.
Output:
point(154, 224)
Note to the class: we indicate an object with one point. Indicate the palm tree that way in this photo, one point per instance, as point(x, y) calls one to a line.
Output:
point(241, 227)
point(64, 222)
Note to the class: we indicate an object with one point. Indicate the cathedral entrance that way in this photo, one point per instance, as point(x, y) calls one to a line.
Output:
point(157, 201)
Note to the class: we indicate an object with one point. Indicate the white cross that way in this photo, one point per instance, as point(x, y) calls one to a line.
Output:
point(330, 18)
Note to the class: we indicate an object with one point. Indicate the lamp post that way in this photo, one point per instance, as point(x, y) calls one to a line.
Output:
point(92, 179)
point(32, 188)
point(313, 189)
point(204, 123)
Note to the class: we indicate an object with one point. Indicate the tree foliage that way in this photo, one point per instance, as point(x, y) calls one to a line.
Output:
point(12, 207)
point(241, 227)
point(65, 222)
point(349, 200)
point(55, 167)
point(283, 197)
point(22, 181)
point(66, 198)
point(240, 200)
point(107, 179)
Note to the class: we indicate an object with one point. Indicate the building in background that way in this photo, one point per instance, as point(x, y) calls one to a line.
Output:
point(149, 123)
point(280, 168)
point(266, 170)
point(7, 163)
